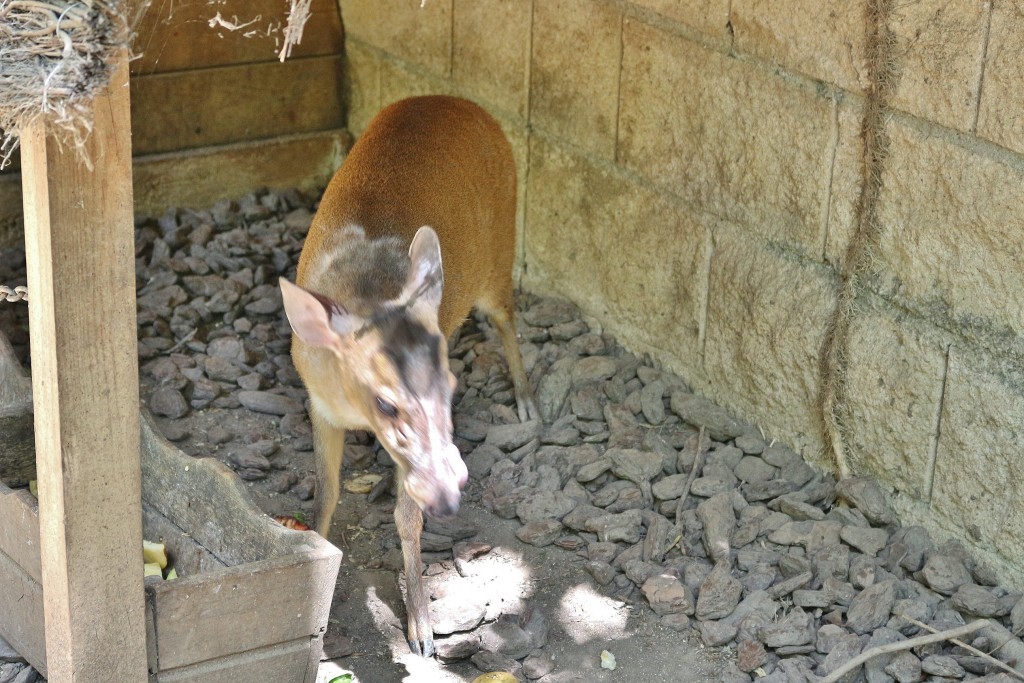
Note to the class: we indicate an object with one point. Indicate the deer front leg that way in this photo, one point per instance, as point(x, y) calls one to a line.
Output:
point(409, 520)
point(328, 452)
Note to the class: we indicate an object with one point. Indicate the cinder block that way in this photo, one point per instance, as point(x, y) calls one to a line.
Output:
point(625, 254)
point(766, 319)
point(893, 390)
point(492, 51)
point(575, 72)
point(1002, 95)
point(823, 40)
point(710, 17)
point(362, 69)
point(726, 135)
point(953, 233)
point(398, 82)
point(979, 474)
point(418, 32)
point(939, 48)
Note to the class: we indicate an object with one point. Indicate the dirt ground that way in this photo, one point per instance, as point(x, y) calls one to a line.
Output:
point(582, 621)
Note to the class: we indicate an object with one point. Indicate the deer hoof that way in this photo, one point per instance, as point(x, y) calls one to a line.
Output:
point(424, 648)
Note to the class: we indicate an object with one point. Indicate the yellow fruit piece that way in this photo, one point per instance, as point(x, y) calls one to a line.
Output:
point(364, 483)
point(496, 677)
point(154, 553)
point(153, 569)
point(171, 575)
point(32, 488)
point(607, 660)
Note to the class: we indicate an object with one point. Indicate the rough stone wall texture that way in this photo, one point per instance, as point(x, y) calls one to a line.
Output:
point(691, 175)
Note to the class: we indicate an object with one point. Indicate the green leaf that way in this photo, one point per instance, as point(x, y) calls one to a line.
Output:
point(343, 678)
point(299, 517)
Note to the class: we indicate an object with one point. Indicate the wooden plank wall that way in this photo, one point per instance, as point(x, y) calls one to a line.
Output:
point(215, 114)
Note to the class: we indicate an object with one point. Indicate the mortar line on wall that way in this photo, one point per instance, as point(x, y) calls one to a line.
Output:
point(933, 446)
point(618, 84)
point(829, 176)
point(705, 293)
point(451, 41)
point(986, 35)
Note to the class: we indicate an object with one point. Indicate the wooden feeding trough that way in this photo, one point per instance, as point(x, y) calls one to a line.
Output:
point(252, 599)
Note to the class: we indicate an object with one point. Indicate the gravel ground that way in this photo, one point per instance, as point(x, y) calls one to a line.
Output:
point(637, 519)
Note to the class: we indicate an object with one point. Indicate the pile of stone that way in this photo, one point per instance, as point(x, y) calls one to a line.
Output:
point(674, 504)
point(665, 499)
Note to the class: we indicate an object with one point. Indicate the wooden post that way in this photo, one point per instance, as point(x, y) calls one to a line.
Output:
point(81, 275)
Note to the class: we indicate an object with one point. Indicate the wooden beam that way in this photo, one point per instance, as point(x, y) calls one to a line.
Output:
point(79, 247)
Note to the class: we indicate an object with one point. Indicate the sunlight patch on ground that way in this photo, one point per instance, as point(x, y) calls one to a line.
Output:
point(587, 615)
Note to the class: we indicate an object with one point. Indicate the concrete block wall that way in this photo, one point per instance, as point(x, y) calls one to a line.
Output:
point(692, 176)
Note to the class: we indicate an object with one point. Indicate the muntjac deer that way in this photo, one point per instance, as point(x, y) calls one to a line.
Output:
point(432, 181)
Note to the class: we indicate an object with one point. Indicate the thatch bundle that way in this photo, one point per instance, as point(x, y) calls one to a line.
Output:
point(54, 57)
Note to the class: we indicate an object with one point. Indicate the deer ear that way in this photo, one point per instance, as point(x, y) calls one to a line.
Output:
point(316, 319)
point(426, 276)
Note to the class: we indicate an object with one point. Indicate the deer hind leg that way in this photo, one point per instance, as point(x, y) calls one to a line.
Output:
point(409, 520)
point(328, 452)
point(501, 317)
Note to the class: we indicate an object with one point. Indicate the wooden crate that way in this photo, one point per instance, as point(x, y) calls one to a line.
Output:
point(253, 598)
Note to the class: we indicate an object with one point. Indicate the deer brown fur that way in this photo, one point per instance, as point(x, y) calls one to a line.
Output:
point(416, 229)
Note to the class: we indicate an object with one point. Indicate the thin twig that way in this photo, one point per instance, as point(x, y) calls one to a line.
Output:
point(698, 465)
point(973, 650)
point(902, 645)
point(184, 340)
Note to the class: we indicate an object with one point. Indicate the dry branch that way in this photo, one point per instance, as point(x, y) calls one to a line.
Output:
point(902, 645)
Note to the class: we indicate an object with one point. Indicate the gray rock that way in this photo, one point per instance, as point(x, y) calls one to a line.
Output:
point(716, 633)
point(871, 608)
point(750, 444)
point(8, 653)
point(796, 628)
point(592, 369)
point(945, 573)
point(167, 402)
point(719, 594)
point(581, 514)
point(538, 666)
point(843, 651)
point(799, 511)
point(602, 572)
point(867, 496)
point(625, 526)
point(670, 487)
point(271, 404)
point(481, 459)
point(221, 369)
point(750, 654)
point(942, 665)
point(456, 612)
point(811, 535)
point(705, 487)
point(550, 311)
point(513, 436)
point(753, 469)
point(868, 541)
point(457, 646)
point(651, 402)
point(636, 466)
point(593, 470)
point(977, 601)
point(553, 389)
point(905, 668)
point(700, 412)
point(717, 517)
point(540, 533)
point(513, 636)
point(667, 595)
point(494, 661)
point(545, 505)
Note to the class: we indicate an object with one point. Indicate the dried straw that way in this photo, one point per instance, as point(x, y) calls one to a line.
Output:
point(54, 57)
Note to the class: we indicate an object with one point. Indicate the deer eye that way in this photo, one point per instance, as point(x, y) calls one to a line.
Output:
point(386, 408)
